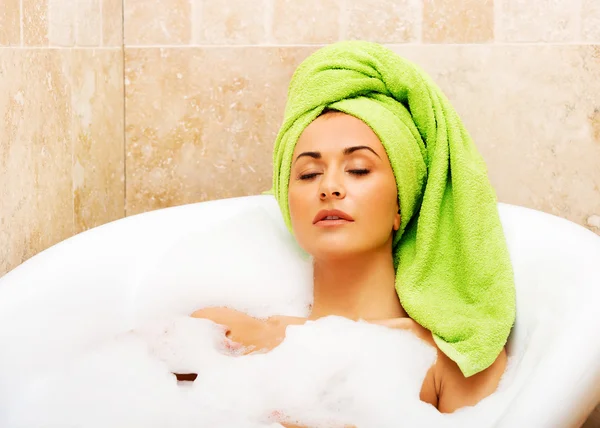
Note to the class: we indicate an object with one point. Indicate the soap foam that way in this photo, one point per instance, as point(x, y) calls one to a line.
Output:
point(330, 372)
point(327, 373)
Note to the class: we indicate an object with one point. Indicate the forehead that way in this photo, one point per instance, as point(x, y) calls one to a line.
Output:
point(334, 132)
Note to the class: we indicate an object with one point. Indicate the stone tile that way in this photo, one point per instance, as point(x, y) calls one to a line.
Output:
point(98, 137)
point(112, 22)
point(75, 24)
point(203, 134)
point(458, 21)
point(35, 22)
point(537, 21)
point(383, 21)
point(201, 122)
point(231, 22)
point(162, 22)
point(61, 23)
point(533, 113)
point(10, 23)
point(590, 26)
point(35, 153)
point(307, 21)
point(88, 23)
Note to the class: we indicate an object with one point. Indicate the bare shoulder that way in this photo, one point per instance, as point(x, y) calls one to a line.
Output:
point(445, 386)
point(458, 391)
point(410, 325)
point(429, 389)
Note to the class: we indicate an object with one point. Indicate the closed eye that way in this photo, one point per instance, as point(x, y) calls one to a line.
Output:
point(308, 176)
point(359, 171)
point(311, 175)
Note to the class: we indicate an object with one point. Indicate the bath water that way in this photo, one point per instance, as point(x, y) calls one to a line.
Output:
point(327, 373)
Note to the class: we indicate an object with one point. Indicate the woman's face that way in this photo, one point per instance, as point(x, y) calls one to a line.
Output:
point(342, 193)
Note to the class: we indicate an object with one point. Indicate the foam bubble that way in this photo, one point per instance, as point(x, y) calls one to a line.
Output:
point(331, 372)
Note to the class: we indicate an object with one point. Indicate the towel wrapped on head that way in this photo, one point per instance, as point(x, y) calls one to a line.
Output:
point(453, 271)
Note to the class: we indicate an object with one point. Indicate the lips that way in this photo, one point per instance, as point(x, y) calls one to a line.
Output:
point(326, 217)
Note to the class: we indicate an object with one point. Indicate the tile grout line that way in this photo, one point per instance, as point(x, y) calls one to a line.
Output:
point(194, 17)
point(21, 23)
point(268, 21)
point(496, 14)
point(420, 8)
point(101, 6)
point(75, 23)
point(343, 20)
point(49, 19)
point(58, 48)
point(124, 109)
point(73, 137)
point(299, 45)
point(579, 20)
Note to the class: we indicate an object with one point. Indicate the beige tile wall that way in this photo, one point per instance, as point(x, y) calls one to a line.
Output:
point(206, 130)
point(458, 21)
point(205, 86)
point(205, 93)
point(62, 155)
point(113, 108)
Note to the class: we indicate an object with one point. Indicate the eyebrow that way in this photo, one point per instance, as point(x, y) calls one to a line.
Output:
point(347, 151)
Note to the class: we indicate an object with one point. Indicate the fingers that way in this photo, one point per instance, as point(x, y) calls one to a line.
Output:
point(234, 349)
point(216, 315)
point(231, 346)
point(280, 417)
point(213, 314)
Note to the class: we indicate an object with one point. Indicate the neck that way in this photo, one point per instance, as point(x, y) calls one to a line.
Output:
point(361, 287)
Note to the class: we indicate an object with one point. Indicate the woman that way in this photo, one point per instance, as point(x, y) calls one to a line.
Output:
point(343, 191)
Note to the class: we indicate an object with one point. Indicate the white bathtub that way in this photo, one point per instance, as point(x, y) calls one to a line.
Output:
point(556, 340)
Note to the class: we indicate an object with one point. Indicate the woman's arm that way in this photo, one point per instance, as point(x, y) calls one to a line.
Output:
point(251, 333)
point(445, 387)
point(458, 391)
point(431, 384)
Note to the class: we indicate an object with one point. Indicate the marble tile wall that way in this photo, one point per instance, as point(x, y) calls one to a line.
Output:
point(61, 122)
point(521, 73)
point(195, 114)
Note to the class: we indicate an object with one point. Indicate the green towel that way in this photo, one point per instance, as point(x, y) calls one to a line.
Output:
point(454, 275)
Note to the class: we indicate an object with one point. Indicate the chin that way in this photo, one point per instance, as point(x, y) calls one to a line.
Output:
point(345, 247)
point(335, 251)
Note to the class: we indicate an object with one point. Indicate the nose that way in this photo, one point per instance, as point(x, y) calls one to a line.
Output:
point(332, 186)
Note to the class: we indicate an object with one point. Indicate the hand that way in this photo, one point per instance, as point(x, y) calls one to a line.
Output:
point(244, 333)
point(252, 334)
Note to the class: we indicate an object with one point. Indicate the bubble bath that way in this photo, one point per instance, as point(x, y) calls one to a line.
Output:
point(330, 372)
point(327, 373)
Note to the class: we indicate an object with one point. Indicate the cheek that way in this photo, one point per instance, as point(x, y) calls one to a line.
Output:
point(294, 202)
point(380, 213)
point(299, 215)
point(379, 200)
point(378, 209)
point(298, 205)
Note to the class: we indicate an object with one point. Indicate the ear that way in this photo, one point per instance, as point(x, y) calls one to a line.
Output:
point(397, 220)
